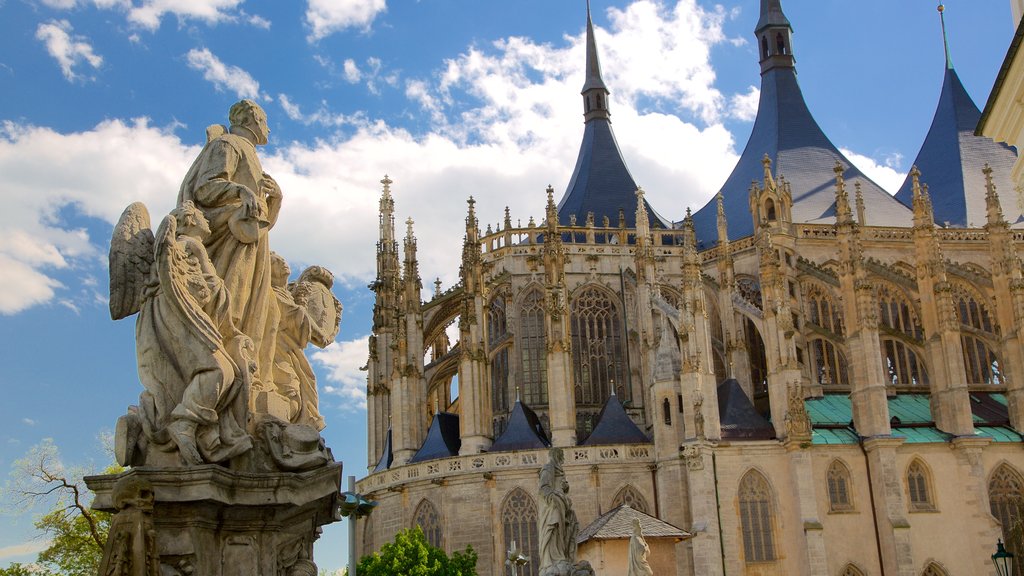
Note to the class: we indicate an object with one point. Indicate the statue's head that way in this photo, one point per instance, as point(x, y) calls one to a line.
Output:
point(279, 270)
point(249, 116)
point(191, 221)
point(636, 527)
point(557, 455)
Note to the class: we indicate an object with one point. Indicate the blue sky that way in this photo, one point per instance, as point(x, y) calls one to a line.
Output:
point(103, 102)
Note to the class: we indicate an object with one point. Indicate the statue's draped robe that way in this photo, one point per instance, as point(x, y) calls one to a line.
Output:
point(638, 551)
point(227, 163)
point(293, 375)
point(557, 520)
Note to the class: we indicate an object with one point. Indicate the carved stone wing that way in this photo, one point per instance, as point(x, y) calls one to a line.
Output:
point(131, 257)
point(313, 291)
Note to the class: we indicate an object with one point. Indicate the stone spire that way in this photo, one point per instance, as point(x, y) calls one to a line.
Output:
point(595, 93)
point(945, 38)
point(844, 214)
point(774, 37)
point(388, 269)
point(411, 271)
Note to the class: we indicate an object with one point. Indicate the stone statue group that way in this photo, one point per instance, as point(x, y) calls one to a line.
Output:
point(220, 332)
point(558, 528)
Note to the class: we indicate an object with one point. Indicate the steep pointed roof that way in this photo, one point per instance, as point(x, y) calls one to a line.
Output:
point(387, 456)
point(787, 132)
point(952, 158)
point(601, 182)
point(737, 414)
point(524, 431)
point(442, 439)
point(614, 426)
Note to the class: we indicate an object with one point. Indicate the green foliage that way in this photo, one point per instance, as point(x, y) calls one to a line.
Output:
point(72, 551)
point(411, 555)
point(17, 569)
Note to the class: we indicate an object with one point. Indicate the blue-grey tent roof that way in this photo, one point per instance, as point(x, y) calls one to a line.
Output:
point(524, 431)
point(951, 161)
point(786, 131)
point(386, 457)
point(442, 439)
point(614, 426)
point(737, 415)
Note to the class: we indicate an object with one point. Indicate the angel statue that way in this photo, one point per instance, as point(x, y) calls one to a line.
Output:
point(307, 312)
point(195, 365)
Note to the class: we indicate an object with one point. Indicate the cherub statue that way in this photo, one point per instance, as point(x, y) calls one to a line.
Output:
point(195, 365)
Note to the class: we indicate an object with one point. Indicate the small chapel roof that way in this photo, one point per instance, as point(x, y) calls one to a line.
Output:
point(952, 157)
point(387, 456)
point(739, 419)
point(617, 524)
point(523, 432)
point(442, 439)
point(614, 426)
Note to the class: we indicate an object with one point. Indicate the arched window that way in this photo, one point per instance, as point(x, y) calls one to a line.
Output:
point(497, 336)
point(851, 570)
point(666, 411)
point(933, 569)
point(427, 518)
point(764, 47)
point(756, 518)
point(769, 210)
point(829, 363)
point(519, 523)
point(533, 348)
point(977, 338)
point(822, 311)
point(631, 496)
point(901, 338)
point(840, 498)
point(919, 488)
point(780, 43)
point(597, 345)
point(1006, 499)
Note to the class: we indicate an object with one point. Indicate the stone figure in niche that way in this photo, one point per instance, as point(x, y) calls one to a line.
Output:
point(638, 551)
point(194, 364)
point(131, 542)
point(307, 313)
point(698, 415)
point(241, 203)
point(557, 523)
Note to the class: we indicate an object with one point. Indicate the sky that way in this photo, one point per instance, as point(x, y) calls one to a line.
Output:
point(105, 102)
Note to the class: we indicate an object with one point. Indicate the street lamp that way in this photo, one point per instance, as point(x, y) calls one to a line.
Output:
point(1003, 560)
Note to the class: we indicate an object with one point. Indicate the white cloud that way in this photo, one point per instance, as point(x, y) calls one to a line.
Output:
point(346, 380)
point(69, 51)
point(28, 421)
point(325, 17)
point(352, 74)
point(24, 549)
point(223, 76)
point(744, 106)
point(258, 21)
point(882, 173)
point(148, 13)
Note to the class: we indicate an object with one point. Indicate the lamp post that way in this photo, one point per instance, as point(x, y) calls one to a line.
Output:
point(353, 506)
point(1003, 560)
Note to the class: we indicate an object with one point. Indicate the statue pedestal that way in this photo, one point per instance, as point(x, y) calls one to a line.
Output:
point(211, 521)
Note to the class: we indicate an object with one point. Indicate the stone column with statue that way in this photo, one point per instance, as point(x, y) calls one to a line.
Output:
point(557, 523)
point(228, 474)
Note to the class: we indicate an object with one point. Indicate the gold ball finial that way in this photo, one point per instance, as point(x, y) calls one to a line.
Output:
point(941, 8)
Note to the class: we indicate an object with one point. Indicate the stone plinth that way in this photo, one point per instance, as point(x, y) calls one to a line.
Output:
point(212, 521)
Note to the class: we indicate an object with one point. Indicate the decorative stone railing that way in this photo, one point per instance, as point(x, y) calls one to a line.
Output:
point(501, 461)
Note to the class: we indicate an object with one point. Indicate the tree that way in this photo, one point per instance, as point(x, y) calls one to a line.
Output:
point(411, 555)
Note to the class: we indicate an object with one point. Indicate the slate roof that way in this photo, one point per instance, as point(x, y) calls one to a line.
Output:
point(617, 524)
point(787, 132)
point(614, 426)
point(951, 161)
point(739, 419)
point(524, 431)
point(386, 457)
point(771, 15)
point(442, 439)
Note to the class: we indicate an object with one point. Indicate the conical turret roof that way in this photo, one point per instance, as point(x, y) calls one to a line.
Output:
point(524, 431)
point(442, 439)
point(614, 426)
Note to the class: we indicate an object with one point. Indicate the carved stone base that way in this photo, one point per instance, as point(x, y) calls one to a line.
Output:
point(211, 521)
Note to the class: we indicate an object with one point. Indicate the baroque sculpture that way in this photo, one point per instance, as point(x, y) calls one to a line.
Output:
point(228, 399)
point(557, 523)
point(638, 551)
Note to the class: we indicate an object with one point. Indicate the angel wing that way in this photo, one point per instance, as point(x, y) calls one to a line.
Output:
point(171, 269)
point(131, 258)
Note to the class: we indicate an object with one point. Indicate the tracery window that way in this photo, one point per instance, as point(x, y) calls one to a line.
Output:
point(1006, 500)
point(519, 523)
point(977, 336)
point(839, 497)
point(597, 347)
point(829, 363)
point(497, 336)
point(750, 289)
point(823, 312)
point(851, 570)
point(901, 337)
point(533, 344)
point(631, 496)
point(428, 519)
point(756, 518)
point(934, 569)
point(919, 487)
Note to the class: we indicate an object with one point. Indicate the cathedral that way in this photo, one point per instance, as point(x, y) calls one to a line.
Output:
point(806, 376)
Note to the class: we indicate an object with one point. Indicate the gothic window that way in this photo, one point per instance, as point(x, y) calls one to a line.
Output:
point(977, 336)
point(829, 363)
point(533, 376)
point(429, 521)
point(497, 337)
point(851, 570)
point(839, 497)
point(519, 523)
point(934, 569)
point(822, 311)
point(1006, 499)
point(597, 347)
point(919, 488)
point(769, 210)
point(758, 360)
point(756, 518)
point(901, 336)
point(629, 495)
point(666, 411)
